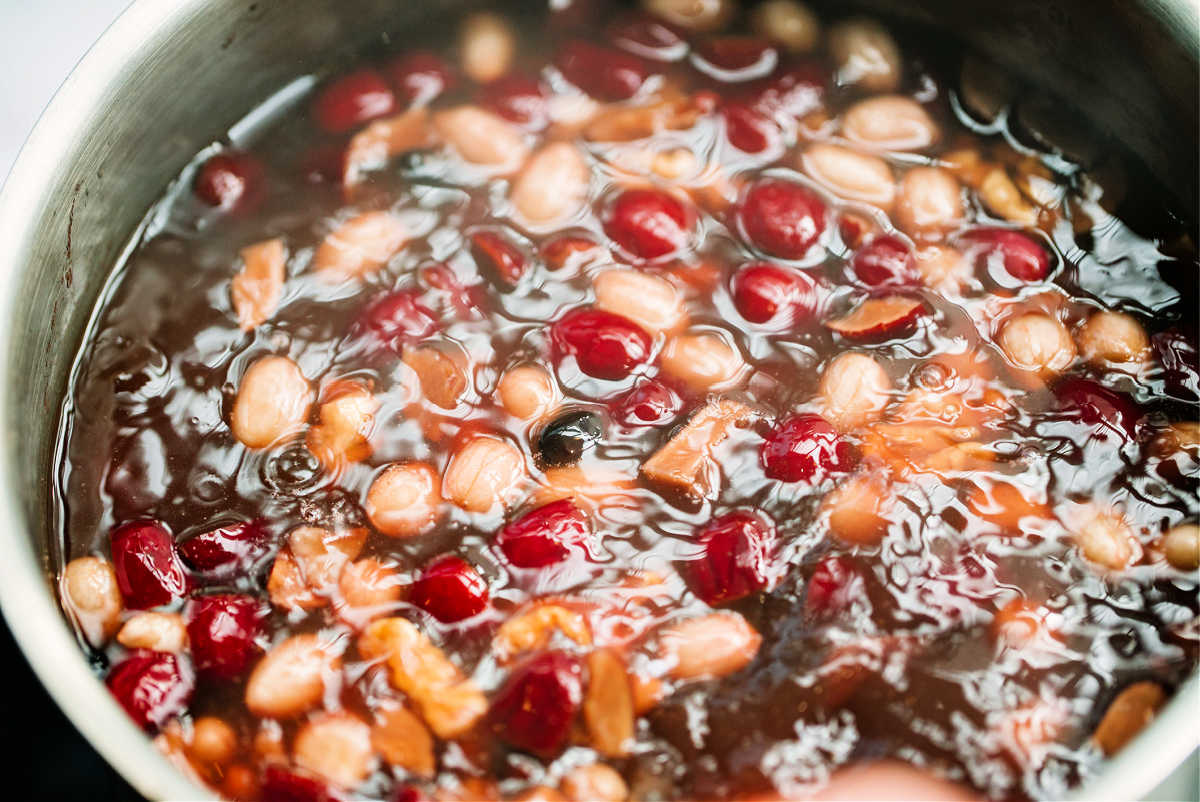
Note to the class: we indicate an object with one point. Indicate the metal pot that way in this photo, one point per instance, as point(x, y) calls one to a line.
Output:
point(168, 78)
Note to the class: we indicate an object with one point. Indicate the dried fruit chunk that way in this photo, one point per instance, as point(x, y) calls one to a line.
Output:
point(738, 558)
point(147, 566)
point(714, 645)
point(371, 147)
point(782, 218)
point(806, 448)
point(648, 224)
point(404, 741)
point(1127, 715)
point(608, 704)
point(874, 318)
point(346, 416)
point(442, 370)
point(929, 201)
point(686, 461)
point(360, 245)
point(449, 702)
point(450, 590)
point(222, 630)
point(258, 287)
point(532, 630)
point(292, 677)
point(536, 706)
point(306, 572)
point(604, 345)
point(351, 100)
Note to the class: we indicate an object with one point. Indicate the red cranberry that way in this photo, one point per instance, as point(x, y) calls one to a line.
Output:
point(649, 37)
point(783, 218)
point(602, 72)
point(738, 558)
point(833, 586)
point(409, 793)
point(222, 631)
point(1020, 255)
point(791, 92)
point(806, 448)
point(761, 291)
point(605, 346)
point(495, 253)
point(545, 536)
point(535, 708)
point(420, 76)
point(396, 318)
point(229, 180)
point(733, 59)
point(1096, 405)
point(465, 300)
point(648, 224)
point(519, 99)
point(1180, 362)
point(148, 569)
point(649, 403)
point(749, 130)
point(283, 785)
point(152, 686)
point(449, 589)
point(229, 548)
point(352, 100)
point(885, 261)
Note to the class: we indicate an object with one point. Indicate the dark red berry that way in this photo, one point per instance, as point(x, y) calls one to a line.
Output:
point(409, 793)
point(834, 585)
point(732, 59)
point(222, 631)
point(352, 100)
point(545, 536)
point(396, 318)
point(738, 558)
point(449, 589)
point(1096, 405)
point(604, 345)
point(806, 448)
point(236, 547)
point(535, 708)
point(648, 224)
point(603, 72)
point(283, 785)
point(791, 92)
point(1017, 254)
point(782, 218)
point(762, 291)
point(748, 129)
point(885, 261)
point(420, 76)
point(148, 569)
point(649, 403)
point(649, 37)
point(465, 300)
point(152, 686)
point(519, 99)
point(879, 318)
point(229, 180)
point(1180, 361)
point(496, 254)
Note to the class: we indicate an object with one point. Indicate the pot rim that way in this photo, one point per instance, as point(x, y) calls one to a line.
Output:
point(27, 597)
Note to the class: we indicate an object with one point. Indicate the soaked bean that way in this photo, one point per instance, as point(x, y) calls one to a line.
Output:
point(704, 362)
point(858, 509)
point(713, 645)
point(367, 588)
point(865, 55)
point(789, 23)
point(482, 137)
point(335, 746)
point(483, 474)
point(1036, 341)
point(889, 122)
point(213, 740)
point(158, 632)
point(527, 392)
point(929, 201)
point(90, 594)
point(346, 418)
point(648, 300)
point(1002, 197)
point(1133, 709)
point(1106, 540)
point(851, 174)
point(1181, 545)
point(854, 390)
point(1112, 337)
point(272, 403)
point(404, 499)
point(291, 678)
point(486, 46)
point(552, 185)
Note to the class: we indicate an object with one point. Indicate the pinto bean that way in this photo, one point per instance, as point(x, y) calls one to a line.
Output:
point(700, 16)
point(1112, 337)
point(854, 390)
point(791, 24)
point(650, 301)
point(1105, 539)
point(213, 740)
point(344, 428)
point(858, 509)
point(713, 645)
point(1181, 545)
point(850, 174)
point(159, 632)
point(608, 706)
point(404, 741)
point(482, 137)
point(1134, 708)
point(258, 287)
point(929, 201)
point(552, 185)
point(359, 246)
point(705, 361)
point(527, 391)
point(866, 55)
point(595, 783)
point(483, 474)
point(335, 746)
point(1038, 342)
point(91, 596)
point(486, 46)
point(291, 678)
point(889, 122)
point(272, 402)
point(404, 499)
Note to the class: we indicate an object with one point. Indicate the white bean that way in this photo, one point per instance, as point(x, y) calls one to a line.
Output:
point(272, 403)
point(404, 499)
point(929, 201)
point(866, 55)
point(889, 122)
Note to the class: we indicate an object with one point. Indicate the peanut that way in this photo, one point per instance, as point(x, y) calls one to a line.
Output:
point(649, 301)
point(292, 677)
point(272, 402)
point(159, 632)
point(361, 245)
point(481, 137)
point(90, 594)
point(483, 474)
point(258, 287)
point(404, 499)
point(335, 746)
point(553, 185)
point(713, 645)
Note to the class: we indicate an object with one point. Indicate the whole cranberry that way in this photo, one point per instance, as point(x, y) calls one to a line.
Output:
point(519, 99)
point(1180, 361)
point(762, 291)
point(603, 72)
point(148, 569)
point(648, 224)
point(545, 536)
point(420, 76)
point(733, 59)
point(782, 218)
point(229, 180)
point(806, 448)
point(834, 585)
point(748, 129)
point(790, 92)
point(222, 630)
point(1096, 405)
point(738, 558)
point(152, 686)
point(1018, 254)
point(236, 547)
point(396, 318)
point(604, 345)
point(535, 708)
point(499, 256)
point(649, 37)
point(449, 589)
point(281, 784)
point(351, 100)
point(885, 261)
point(409, 793)
point(650, 402)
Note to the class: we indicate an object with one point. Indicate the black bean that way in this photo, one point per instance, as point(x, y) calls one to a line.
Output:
point(564, 439)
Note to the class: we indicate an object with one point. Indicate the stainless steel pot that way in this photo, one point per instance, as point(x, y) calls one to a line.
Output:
point(170, 77)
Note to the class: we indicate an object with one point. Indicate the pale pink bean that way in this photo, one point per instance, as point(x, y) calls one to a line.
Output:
point(865, 55)
point(650, 301)
point(404, 500)
point(486, 46)
point(1038, 342)
point(714, 645)
point(483, 474)
point(791, 24)
point(850, 174)
point(361, 245)
point(158, 632)
point(889, 122)
point(256, 290)
point(527, 391)
point(1112, 337)
point(1106, 540)
point(595, 783)
point(929, 201)
point(552, 185)
point(291, 678)
point(272, 402)
point(482, 137)
point(701, 16)
point(706, 361)
point(854, 390)
point(337, 747)
point(90, 594)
